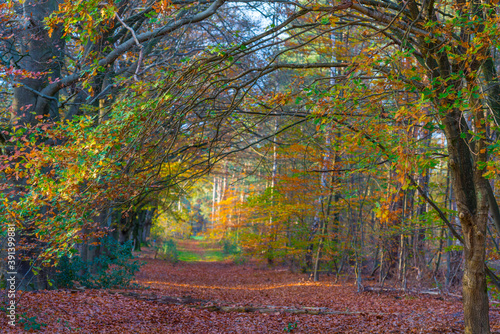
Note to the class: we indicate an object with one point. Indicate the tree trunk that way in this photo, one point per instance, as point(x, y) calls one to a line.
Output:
point(470, 189)
point(41, 53)
point(474, 289)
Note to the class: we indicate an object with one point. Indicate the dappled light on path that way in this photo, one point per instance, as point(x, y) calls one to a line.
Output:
point(221, 297)
point(253, 288)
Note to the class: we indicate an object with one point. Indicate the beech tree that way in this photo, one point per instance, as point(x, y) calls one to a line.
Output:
point(65, 74)
point(110, 103)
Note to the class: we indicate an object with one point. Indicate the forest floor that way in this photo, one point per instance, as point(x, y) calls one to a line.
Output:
point(221, 297)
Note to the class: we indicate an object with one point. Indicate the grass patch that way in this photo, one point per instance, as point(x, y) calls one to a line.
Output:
point(209, 256)
point(214, 256)
point(200, 250)
point(187, 256)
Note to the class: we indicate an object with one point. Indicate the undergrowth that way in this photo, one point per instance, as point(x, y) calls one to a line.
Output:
point(112, 269)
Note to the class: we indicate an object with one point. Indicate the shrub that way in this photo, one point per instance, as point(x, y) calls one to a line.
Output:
point(112, 269)
point(169, 251)
point(240, 259)
point(229, 247)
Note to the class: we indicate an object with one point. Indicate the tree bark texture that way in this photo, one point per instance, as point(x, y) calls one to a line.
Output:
point(470, 189)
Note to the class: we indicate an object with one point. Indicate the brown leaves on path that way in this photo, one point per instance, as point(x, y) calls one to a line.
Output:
point(237, 288)
point(227, 284)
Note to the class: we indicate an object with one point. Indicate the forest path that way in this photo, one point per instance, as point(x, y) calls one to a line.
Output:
point(222, 297)
point(189, 250)
point(193, 250)
point(239, 293)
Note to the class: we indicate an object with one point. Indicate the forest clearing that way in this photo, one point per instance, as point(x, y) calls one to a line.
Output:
point(223, 297)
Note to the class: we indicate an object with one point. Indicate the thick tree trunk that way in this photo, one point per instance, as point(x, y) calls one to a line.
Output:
point(41, 53)
point(474, 288)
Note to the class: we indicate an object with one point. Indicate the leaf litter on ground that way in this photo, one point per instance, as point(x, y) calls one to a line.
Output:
point(222, 297)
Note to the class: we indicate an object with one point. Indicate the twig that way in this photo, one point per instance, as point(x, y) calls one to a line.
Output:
point(219, 306)
point(35, 91)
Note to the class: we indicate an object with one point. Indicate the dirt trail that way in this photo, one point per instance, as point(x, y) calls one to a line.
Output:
point(190, 251)
point(202, 248)
point(222, 287)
